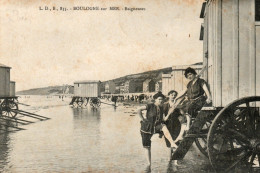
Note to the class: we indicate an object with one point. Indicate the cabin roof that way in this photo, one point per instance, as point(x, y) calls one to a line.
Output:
point(183, 67)
point(87, 81)
point(2, 65)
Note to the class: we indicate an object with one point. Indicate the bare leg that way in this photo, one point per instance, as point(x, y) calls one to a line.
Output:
point(180, 136)
point(175, 162)
point(170, 158)
point(148, 155)
point(168, 136)
point(184, 127)
point(188, 121)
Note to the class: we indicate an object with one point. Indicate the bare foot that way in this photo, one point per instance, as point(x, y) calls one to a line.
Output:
point(187, 128)
point(175, 162)
point(174, 146)
point(148, 169)
point(180, 138)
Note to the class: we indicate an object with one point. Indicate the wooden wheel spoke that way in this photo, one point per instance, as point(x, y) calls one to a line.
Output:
point(257, 125)
point(12, 114)
point(231, 144)
point(252, 159)
point(238, 135)
point(258, 157)
point(250, 120)
point(244, 145)
point(238, 159)
point(231, 152)
point(207, 125)
point(221, 145)
point(204, 140)
point(237, 119)
point(240, 116)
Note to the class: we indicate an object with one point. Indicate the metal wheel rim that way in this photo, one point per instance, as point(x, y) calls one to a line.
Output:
point(201, 143)
point(229, 142)
point(9, 110)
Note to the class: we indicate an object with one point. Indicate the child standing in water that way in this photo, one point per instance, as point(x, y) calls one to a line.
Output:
point(153, 123)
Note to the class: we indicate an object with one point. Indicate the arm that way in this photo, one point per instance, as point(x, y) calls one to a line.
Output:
point(205, 88)
point(183, 93)
point(139, 111)
point(165, 118)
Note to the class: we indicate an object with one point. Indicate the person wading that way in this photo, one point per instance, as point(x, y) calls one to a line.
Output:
point(153, 123)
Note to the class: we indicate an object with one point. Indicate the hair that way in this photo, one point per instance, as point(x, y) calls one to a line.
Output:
point(172, 91)
point(189, 70)
point(159, 94)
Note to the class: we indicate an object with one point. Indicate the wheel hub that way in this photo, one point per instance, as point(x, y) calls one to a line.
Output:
point(257, 148)
point(255, 144)
point(6, 108)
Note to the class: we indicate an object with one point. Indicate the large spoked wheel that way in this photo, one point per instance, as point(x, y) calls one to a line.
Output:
point(85, 103)
point(234, 137)
point(201, 141)
point(95, 102)
point(80, 103)
point(75, 104)
point(9, 108)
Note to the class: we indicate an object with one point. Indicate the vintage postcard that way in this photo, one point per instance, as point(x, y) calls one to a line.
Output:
point(129, 86)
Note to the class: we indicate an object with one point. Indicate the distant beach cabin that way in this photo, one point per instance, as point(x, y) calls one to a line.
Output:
point(133, 86)
point(5, 80)
point(149, 85)
point(158, 86)
point(176, 80)
point(87, 88)
point(110, 87)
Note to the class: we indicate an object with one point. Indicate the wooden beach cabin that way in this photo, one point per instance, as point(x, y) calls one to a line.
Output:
point(149, 85)
point(5, 80)
point(133, 86)
point(176, 80)
point(158, 85)
point(87, 88)
point(110, 87)
point(227, 131)
point(86, 91)
point(231, 48)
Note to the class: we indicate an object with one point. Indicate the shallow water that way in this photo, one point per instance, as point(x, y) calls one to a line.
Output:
point(86, 140)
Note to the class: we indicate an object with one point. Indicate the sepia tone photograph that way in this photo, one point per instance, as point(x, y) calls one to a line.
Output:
point(143, 86)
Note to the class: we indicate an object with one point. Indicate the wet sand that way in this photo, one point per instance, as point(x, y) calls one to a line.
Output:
point(87, 140)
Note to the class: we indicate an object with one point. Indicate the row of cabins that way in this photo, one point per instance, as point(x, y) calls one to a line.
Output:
point(132, 86)
point(7, 87)
point(175, 80)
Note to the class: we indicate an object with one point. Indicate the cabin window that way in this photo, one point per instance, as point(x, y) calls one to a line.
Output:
point(202, 12)
point(201, 32)
point(257, 10)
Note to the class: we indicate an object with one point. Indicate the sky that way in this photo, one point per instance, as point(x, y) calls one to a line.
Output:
point(46, 48)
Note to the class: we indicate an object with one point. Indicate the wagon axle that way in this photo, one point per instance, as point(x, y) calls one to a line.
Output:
point(255, 145)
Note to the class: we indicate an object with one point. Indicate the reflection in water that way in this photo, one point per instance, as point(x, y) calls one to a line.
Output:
point(148, 169)
point(171, 167)
point(4, 150)
point(86, 113)
point(84, 140)
point(87, 122)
